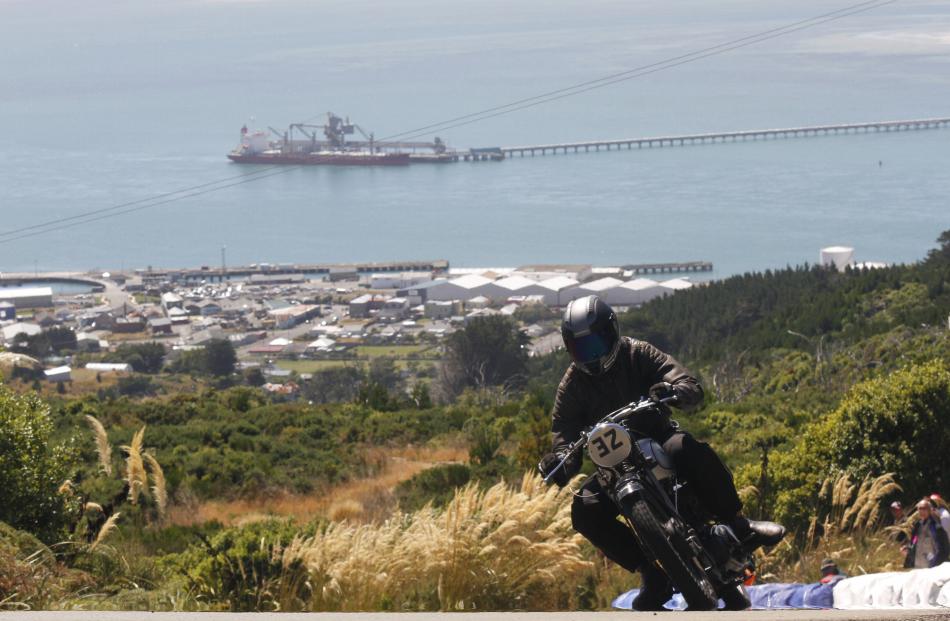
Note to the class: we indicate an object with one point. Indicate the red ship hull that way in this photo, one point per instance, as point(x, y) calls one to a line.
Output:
point(322, 159)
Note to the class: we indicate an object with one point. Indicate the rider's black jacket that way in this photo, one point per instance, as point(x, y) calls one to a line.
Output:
point(583, 399)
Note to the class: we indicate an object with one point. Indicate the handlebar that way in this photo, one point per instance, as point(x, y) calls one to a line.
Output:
point(614, 417)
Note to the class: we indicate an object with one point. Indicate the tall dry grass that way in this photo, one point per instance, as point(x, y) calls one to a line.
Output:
point(495, 549)
point(159, 487)
point(106, 530)
point(135, 474)
point(103, 448)
point(849, 529)
point(364, 499)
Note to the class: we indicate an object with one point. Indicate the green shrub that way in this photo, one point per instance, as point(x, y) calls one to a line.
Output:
point(32, 468)
point(898, 423)
point(436, 485)
point(237, 569)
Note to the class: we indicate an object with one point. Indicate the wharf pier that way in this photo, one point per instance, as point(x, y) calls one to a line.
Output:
point(669, 268)
point(737, 136)
point(272, 272)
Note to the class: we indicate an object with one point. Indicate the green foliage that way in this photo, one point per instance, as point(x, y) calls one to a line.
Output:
point(898, 423)
point(216, 358)
point(55, 340)
point(334, 385)
point(793, 308)
point(144, 357)
point(32, 468)
point(136, 386)
point(237, 569)
point(434, 485)
point(489, 351)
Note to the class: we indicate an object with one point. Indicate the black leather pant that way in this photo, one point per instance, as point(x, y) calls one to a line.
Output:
point(594, 515)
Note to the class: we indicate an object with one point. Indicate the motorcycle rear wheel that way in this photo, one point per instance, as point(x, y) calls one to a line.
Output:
point(685, 575)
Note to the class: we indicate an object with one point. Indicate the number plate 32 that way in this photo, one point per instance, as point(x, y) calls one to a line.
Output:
point(609, 444)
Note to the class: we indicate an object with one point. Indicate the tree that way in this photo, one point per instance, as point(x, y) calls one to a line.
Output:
point(898, 423)
point(220, 357)
point(489, 351)
point(32, 468)
point(336, 384)
point(144, 357)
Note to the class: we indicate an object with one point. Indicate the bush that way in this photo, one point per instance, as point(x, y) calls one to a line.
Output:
point(239, 570)
point(898, 424)
point(32, 468)
point(436, 485)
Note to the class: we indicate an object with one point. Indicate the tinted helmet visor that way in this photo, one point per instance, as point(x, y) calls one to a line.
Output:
point(588, 350)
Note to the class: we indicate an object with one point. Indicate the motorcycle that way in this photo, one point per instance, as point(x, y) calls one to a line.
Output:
point(703, 560)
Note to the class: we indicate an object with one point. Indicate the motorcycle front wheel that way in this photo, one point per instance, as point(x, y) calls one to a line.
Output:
point(687, 577)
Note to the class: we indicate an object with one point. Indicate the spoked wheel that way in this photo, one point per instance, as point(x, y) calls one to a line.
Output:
point(685, 574)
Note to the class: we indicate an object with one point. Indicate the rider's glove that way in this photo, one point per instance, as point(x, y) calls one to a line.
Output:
point(663, 390)
point(565, 473)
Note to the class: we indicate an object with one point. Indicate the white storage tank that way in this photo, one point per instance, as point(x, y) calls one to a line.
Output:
point(838, 256)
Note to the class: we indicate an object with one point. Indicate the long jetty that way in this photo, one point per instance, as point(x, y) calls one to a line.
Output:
point(755, 134)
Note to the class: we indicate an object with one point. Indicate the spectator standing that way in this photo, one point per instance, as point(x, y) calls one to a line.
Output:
point(941, 511)
point(928, 540)
point(897, 512)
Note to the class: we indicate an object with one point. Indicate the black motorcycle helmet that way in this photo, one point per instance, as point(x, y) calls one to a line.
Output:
point(591, 334)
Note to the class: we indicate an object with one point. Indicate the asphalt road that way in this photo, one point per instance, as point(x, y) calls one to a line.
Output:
point(754, 615)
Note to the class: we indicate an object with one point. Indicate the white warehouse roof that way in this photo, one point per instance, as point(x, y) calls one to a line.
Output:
point(676, 284)
point(601, 284)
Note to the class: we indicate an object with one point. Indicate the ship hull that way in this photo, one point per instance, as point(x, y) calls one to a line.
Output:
point(322, 159)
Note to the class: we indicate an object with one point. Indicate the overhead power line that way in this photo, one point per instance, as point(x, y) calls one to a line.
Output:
point(637, 71)
point(467, 119)
point(669, 63)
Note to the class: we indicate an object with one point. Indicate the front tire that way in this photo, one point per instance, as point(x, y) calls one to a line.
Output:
point(735, 598)
point(684, 573)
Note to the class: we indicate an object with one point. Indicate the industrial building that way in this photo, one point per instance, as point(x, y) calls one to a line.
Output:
point(28, 297)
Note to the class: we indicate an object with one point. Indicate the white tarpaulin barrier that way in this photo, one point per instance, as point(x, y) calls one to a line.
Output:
point(918, 588)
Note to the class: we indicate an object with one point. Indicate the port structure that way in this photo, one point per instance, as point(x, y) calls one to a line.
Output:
point(300, 138)
point(756, 134)
point(669, 268)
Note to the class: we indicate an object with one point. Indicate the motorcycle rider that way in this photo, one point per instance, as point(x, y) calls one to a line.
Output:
point(609, 371)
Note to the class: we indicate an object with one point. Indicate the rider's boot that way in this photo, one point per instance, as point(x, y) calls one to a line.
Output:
point(755, 533)
point(655, 589)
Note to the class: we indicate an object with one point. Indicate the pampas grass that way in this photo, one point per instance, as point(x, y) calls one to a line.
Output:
point(108, 527)
point(103, 448)
point(159, 490)
point(848, 530)
point(498, 549)
point(134, 467)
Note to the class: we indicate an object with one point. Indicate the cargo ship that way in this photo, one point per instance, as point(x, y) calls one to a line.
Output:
point(302, 144)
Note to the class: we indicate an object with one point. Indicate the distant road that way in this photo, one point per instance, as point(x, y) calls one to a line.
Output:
point(755, 615)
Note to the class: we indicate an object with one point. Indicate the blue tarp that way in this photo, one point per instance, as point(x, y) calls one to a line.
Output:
point(763, 597)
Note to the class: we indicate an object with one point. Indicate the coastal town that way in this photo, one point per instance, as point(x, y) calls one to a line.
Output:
point(288, 320)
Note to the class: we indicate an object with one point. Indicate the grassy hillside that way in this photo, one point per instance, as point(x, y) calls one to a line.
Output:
point(813, 377)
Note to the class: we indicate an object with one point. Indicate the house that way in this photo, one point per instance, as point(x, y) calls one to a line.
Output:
point(394, 309)
point(160, 325)
point(86, 342)
point(127, 325)
point(436, 309)
point(209, 307)
point(7, 311)
point(291, 316)
point(59, 374)
point(172, 300)
point(364, 305)
point(13, 330)
point(109, 367)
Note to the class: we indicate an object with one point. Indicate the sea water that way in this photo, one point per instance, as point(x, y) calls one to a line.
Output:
point(106, 103)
